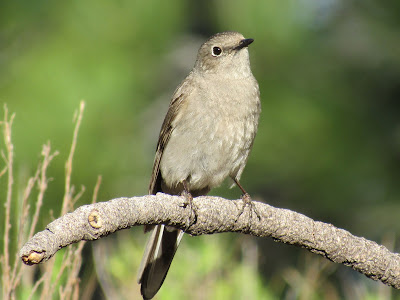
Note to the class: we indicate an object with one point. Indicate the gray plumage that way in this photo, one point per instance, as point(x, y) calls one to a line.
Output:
point(206, 136)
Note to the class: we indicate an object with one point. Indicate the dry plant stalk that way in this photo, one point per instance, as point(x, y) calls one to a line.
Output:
point(8, 159)
point(71, 263)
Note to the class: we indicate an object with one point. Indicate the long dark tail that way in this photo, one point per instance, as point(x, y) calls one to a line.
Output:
point(157, 258)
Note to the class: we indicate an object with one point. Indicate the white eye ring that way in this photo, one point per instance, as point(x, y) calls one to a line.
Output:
point(216, 51)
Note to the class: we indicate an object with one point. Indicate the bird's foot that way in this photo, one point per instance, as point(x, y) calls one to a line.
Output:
point(189, 205)
point(247, 202)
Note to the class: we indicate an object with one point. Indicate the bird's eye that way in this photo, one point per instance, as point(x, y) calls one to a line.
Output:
point(216, 51)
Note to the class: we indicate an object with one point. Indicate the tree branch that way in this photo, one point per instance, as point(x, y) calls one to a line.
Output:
point(215, 215)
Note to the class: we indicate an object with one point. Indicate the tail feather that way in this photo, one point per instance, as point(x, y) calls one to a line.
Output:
point(157, 258)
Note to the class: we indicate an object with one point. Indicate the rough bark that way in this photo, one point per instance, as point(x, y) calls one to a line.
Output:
point(215, 215)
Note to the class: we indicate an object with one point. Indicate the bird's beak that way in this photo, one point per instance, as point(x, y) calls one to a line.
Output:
point(244, 43)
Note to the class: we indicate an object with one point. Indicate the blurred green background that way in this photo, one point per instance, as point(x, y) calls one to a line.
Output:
point(328, 143)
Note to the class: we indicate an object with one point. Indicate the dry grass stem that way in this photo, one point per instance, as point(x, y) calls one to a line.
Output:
point(66, 281)
point(8, 159)
point(42, 183)
point(68, 165)
point(96, 189)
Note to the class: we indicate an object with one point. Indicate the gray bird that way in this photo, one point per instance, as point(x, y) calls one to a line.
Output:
point(206, 136)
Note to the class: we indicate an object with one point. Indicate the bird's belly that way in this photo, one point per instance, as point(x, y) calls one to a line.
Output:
point(204, 150)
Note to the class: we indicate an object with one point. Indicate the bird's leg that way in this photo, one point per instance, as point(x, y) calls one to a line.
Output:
point(245, 196)
point(189, 202)
point(186, 193)
point(246, 200)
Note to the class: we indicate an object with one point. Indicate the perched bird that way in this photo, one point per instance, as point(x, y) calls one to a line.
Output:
point(206, 136)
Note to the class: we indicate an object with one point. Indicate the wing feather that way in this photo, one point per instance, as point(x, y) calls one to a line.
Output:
point(180, 95)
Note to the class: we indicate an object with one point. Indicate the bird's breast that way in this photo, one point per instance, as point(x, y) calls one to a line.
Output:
point(212, 134)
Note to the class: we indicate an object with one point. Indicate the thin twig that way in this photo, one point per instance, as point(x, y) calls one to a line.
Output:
point(7, 123)
point(66, 261)
point(2, 172)
point(77, 196)
point(35, 287)
point(42, 184)
point(66, 206)
point(24, 214)
point(67, 291)
point(96, 189)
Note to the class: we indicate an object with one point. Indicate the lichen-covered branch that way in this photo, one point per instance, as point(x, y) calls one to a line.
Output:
point(214, 215)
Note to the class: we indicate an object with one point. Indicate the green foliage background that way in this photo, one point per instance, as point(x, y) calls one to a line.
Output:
point(329, 137)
